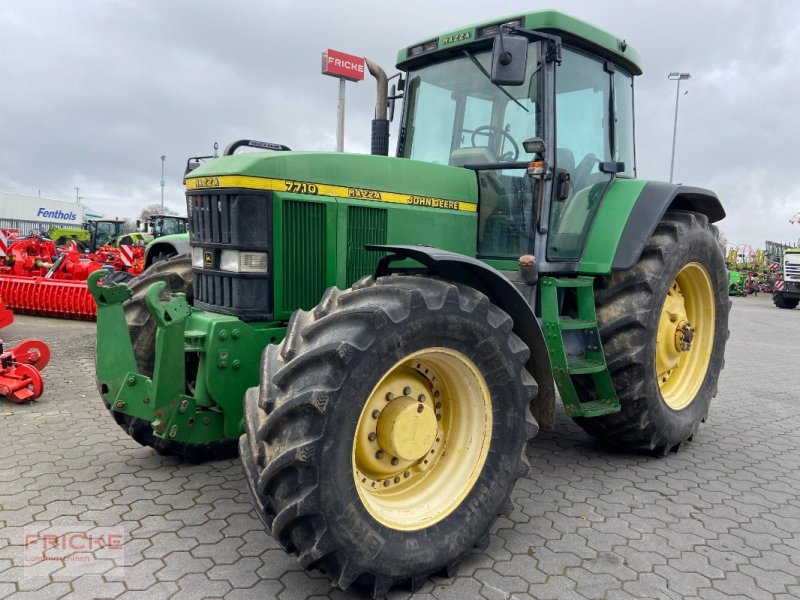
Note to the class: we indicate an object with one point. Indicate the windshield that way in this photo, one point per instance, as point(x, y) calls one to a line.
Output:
point(105, 231)
point(457, 116)
point(169, 226)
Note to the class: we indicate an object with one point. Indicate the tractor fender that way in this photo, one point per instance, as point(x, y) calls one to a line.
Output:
point(172, 246)
point(651, 205)
point(503, 293)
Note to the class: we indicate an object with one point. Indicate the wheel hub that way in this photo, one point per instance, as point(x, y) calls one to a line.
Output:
point(422, 438)
point(684, 334)
point(407, 428)
point(685, 337)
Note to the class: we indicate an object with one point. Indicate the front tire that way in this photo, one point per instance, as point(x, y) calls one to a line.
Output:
point(664, 325)
point(781, 301)
point(388, 429)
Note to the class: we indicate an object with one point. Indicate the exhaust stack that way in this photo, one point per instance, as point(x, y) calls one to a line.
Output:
point(380, 124)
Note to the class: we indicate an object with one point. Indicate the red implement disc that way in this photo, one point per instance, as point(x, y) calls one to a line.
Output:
point(33, 384)
point(31, 352)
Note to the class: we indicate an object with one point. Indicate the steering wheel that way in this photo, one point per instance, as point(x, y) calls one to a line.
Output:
point(491, 131)
point(584, 170)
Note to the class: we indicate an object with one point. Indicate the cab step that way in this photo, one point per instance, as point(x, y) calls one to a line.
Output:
point(575, 346)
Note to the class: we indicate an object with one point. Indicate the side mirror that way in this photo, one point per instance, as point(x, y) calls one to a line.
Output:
point(611, 167)
point(509, 59)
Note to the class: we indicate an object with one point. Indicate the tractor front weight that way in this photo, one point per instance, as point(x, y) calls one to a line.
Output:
point(203, 364)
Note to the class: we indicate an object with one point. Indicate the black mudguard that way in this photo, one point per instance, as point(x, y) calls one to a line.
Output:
point(653, 202)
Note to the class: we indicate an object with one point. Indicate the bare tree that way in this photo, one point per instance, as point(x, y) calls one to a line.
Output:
point(155, 209)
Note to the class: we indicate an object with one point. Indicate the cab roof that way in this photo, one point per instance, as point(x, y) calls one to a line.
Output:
point(573, 31)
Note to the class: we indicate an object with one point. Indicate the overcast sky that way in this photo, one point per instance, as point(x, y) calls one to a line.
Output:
point(93, 93)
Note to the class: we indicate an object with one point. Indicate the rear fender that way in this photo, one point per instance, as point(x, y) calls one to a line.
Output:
point(169, 246)
point(628, 216)
point(503, 293)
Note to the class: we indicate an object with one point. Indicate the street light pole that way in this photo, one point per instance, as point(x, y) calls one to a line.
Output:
point(163, 157)
point(676, 76)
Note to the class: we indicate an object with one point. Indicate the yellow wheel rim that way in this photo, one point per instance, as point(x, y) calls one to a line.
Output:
point(422, 439)
point(685, 337)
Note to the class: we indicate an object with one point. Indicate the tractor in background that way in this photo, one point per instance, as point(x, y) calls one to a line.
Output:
point(397, 326)
point(168, 237)
point(786, 291)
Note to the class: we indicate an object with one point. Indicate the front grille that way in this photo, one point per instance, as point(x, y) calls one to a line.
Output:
point(792, 271)
point(365, 225)
point(304, 254)
point(231, 220)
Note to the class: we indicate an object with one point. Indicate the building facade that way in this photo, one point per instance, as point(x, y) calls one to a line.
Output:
point(29, 213)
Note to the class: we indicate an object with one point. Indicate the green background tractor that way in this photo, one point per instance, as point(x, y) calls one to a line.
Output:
point(96, 233)
point(394, 339)
point(169, 237)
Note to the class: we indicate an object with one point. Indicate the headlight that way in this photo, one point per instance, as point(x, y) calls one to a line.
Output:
point(197, 257)
point(243, 262)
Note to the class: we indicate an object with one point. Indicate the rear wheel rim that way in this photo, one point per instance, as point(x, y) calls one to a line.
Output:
point(685, 338)
point(422, 439)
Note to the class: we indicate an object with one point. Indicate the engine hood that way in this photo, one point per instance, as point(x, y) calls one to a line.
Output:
point(357, 171)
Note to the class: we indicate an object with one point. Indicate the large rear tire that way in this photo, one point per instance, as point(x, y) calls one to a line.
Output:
point(388, 430)
point(664, 325)
point(176, 272)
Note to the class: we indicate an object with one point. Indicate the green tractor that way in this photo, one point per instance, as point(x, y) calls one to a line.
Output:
point(396, 325)
point(168, 237)
point(95, 234)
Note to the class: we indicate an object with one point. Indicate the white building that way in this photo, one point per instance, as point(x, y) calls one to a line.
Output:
point(27, 213)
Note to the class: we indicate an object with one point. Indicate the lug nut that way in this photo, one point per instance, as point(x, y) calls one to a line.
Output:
point(439, 417)
point(372, 436)
point(421, 398)
point(407, 474)
point(397, 480)
point(436, 394)
point(395, 461)
point(406, 391)
point(386, 483)
point(376, 413)
point(420, 408)
point(379, 454)
point(438, 405)
point(389, 396)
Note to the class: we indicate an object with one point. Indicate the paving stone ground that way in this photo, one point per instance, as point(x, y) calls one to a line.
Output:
point(719, 519)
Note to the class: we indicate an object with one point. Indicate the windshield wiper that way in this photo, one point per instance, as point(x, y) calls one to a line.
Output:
point(489, 77)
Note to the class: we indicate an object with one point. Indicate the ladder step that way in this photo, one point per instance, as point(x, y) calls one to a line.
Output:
point(597, 408)
point(574, 282)
point(566, 323)
point(585, 366)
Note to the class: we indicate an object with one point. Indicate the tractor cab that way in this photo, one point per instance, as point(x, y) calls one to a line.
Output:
point(545, 141)
point(104, 231)
point(160, 225)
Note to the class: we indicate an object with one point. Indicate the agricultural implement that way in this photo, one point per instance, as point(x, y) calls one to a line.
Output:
point(397, 325)
point(37, 278)
point(21, 366)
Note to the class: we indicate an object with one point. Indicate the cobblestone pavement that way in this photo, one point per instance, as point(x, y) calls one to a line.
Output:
point(719, 519)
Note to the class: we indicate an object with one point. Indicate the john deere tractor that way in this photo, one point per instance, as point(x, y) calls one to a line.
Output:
point(381, 335)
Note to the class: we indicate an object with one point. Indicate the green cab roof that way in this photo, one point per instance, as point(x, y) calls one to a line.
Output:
point(574, 32)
